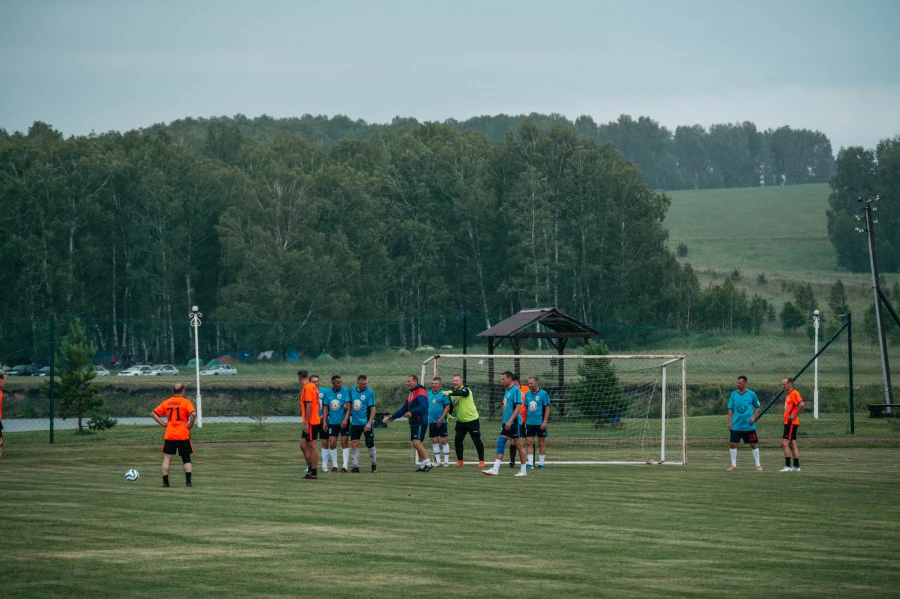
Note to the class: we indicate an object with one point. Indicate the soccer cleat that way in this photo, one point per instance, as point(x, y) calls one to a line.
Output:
point(310, 476)
point(446, 464)
point(512, 464)
point(373, 467)
point(520, 474)
point(490, 472)
point(796, 468)
point(787, 469)
point(540, 466)
point(355, 470)
point(188, 485)
point(529, 467)
point(758, 467)
point(343, 471)
point(427, 468)
point(334, 469)
point(481, 464)
point(462, 463)
point(165, 485)
point(732, 467)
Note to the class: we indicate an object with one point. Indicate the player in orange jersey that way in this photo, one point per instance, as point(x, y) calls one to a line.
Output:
point(309, 410)
point(180, 415)
point(2, 383)
point(793, 405)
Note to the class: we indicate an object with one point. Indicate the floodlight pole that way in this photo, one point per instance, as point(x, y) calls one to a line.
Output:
point(195, 322)
point(876, 289)
point(816, 368)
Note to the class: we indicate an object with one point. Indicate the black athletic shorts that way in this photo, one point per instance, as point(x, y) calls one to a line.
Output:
point(473, 427)
point(359, 430)
point(513, 432)
point(745, 436)
point(1, 433)
point(790, 432)
point(535, 430)
point(335, 430)
point(417, 431)
point(437, 431)
point(319, 432)
point(184, 448)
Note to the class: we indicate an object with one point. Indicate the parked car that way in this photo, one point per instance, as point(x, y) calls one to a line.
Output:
point(220, 369)
point(101, 371)
point(45, 371)
point(163, 370)
point(136, 371)
point(23, 370)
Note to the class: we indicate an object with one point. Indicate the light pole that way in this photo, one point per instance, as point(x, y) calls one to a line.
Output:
point(195, 322)
point(816, 368)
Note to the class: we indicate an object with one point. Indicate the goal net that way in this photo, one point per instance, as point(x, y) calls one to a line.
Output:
point(603, 409)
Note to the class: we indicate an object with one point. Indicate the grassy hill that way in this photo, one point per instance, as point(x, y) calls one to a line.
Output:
point(777, 231)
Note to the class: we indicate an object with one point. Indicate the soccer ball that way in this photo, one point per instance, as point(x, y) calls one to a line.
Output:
point(132, 475)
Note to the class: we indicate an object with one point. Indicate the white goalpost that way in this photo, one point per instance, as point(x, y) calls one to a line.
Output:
point(613, 409)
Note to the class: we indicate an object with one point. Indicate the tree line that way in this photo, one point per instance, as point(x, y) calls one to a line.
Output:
point(691, 157)
point(129, 230)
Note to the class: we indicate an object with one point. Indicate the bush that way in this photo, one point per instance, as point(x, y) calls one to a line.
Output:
point(736, 275)
point(792, 317)
point(761, 279)
point(98, 422)
point(682, 250)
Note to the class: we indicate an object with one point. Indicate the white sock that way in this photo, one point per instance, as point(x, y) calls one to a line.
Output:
point(324, 459)
point(355, 453)
point(446, 448)
point(522, 468)
point(346, 457)
point(497, 464)
point(531, 459)
point(334, 456)
point(542, 459)
point(372, 455)
point(436, 448)
point(733, 453)
point(756, 455)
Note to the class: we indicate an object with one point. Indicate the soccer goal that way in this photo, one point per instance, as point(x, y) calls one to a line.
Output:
point(604, 409)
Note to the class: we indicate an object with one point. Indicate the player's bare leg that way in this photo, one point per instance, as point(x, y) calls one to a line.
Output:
point(523, 461)
point(167, 460)
point(542, 443)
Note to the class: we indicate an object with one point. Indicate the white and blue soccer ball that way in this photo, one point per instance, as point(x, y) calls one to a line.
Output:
point(132, 475)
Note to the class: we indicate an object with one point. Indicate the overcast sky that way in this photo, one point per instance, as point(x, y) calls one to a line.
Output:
point(95, 66)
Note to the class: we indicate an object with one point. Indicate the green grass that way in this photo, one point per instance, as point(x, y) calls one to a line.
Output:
point(72, 527)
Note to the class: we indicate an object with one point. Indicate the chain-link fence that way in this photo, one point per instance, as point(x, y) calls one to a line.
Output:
point(248, 370)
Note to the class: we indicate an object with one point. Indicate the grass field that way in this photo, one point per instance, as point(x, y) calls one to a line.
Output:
point(72, 527)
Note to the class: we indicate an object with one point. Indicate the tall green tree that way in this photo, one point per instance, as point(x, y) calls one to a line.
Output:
point(78, 395)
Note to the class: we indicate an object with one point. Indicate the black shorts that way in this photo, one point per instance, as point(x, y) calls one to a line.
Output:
point(437, 431)
point(1, 433)
point(417, 431)
point(473, 427)
point(745, 436)
point(359, 430)
point(336, 430)
point(184, 448)
point(319, 432)
point(514, 432)
point(535, 430)
point(790, 432)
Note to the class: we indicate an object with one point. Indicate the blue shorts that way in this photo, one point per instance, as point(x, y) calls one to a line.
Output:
point(417, 431)
point(437, 431)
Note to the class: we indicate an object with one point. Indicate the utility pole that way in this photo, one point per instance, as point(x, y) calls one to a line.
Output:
point(868, 209)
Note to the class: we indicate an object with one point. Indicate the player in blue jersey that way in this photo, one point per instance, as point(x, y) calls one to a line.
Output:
point(362, 413)
point(537, 413)
point(415, 410)
point(438, 408)
point(512, 425)
point(337, 419)
point(743, 408)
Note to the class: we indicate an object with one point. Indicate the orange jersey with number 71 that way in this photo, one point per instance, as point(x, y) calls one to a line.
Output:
point(177, 410)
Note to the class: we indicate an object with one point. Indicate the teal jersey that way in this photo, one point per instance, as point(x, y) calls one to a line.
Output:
point(360, 402)
point(436, 404)
point(512, 399)
point(534, 406)
point(321, 401)
point(741, 407)
point(337, 404)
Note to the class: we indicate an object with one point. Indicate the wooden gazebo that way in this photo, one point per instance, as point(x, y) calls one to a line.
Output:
point(535, 323)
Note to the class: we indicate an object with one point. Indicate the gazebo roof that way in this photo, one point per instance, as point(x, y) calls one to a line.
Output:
point(560, 325)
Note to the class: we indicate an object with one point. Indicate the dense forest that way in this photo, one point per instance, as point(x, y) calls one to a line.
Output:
point(691, 157)
point(425, 221)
